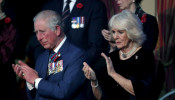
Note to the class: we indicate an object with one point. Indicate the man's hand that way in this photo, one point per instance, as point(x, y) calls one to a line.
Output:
point(25, 72)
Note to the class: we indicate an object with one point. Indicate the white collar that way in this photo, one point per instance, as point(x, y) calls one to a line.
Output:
point(59, 46)
point(71, 1)
point(71, 5)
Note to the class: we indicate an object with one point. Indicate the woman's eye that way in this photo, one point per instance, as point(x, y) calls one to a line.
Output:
point(113, 31)
point(121, 32)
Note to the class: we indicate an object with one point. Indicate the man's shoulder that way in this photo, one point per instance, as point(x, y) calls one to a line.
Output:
point(75, 49)
point(74, 54)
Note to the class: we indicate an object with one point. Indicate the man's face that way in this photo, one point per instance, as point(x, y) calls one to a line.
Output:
point(45, 35)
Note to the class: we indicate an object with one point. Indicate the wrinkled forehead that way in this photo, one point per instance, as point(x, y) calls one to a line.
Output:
point(40, 24)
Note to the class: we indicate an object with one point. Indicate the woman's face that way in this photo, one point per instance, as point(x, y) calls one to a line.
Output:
point(121, 38)
point(124, 4)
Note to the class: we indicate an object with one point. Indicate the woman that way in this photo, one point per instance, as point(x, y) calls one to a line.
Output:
point(7, 45)
point(150, 26)
point(130, 68)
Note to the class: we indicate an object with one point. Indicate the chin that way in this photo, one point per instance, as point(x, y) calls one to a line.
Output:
point(121, 8)
point(119, 47)
point(45, 46)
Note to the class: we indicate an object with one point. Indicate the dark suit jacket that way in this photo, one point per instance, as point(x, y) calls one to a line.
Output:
point(69, 84)
point(89, 37)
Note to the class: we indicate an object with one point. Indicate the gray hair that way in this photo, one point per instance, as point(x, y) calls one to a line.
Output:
point(52, 18)
point(128, 21)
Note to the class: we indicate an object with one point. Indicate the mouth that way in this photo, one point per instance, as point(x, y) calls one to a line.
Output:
point(118, 5)
point(44, 43)
point(118, 43)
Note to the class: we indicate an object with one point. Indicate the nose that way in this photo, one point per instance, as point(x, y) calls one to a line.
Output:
point(117, 1)
point(115, 36)
point(39, 36)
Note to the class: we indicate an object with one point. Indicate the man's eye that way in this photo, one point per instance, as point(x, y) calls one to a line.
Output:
point(36, 32)
point(40, 31)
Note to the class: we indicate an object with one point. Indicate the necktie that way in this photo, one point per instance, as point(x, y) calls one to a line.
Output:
point(66, 11)
point(50, 56)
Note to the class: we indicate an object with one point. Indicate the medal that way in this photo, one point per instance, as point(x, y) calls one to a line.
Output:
point(77, 26)
point(74, 21)
point(82, 22)
point(73, 26)
point(78, 22)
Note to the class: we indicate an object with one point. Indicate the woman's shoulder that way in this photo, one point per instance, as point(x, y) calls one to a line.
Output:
point(148, 17)
point(7, 22)
point(151, 17)
point(144, 52)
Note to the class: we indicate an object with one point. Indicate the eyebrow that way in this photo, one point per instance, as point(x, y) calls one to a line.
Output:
point(118, 30)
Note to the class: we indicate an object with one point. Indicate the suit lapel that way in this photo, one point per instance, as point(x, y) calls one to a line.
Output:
point(61, 6)
point(64, 47)
point(75, 10)
point(45, 65)
point(63, 51)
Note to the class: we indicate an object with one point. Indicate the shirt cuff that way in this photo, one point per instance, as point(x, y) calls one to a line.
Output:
point(37, 80)
point(29, 86)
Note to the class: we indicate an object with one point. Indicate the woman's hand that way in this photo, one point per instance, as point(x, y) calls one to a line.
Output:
point(110, 67)
point(88, 72)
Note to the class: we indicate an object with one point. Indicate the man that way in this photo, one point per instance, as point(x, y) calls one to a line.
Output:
point(84, 24)
point(59, 76)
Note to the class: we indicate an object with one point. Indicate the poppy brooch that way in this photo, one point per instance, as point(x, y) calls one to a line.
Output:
point(79, 5)
point(143, 18)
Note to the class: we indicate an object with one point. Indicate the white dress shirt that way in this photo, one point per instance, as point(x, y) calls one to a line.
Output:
point(71, 5)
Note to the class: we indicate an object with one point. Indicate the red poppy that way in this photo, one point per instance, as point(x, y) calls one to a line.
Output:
point(143, 18)
point(7, 20)
point(79, 5)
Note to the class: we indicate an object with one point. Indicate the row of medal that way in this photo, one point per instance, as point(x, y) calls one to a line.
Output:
point(55, 67)
point(77, 22)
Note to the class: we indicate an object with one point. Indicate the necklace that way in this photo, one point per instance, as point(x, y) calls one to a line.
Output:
point(124, 55)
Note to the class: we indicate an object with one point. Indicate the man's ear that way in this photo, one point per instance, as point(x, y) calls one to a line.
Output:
point(58, 30)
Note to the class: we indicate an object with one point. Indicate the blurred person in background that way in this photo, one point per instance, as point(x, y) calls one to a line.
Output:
point(8, 34)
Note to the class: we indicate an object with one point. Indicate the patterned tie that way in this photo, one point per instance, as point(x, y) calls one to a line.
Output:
point(66, 11)
point(52, 62)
